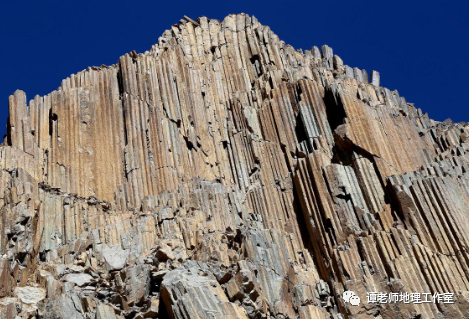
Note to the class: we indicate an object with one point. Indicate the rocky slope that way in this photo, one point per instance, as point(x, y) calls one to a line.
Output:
point(224, 174)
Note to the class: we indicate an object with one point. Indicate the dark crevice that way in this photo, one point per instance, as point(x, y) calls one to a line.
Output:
point(330, 230)
point(398, 213)
point(162, 311)
point(382, 257)
point(254, 58)
point(8, 136)
point(361, 249)
point(256, 63)
point(299, 92)
point(302, 226)
point(300, 131)
point(120, 81)
point(335, 111)
point(190, 146)
point(345, 197)
point(271, 83)
point(52, 118)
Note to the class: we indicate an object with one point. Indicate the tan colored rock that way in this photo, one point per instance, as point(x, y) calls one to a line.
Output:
point(105, 312)
point(30, 295)
point(191, 292)
point(225, 174)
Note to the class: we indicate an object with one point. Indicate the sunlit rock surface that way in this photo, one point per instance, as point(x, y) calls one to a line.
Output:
point(224, 174)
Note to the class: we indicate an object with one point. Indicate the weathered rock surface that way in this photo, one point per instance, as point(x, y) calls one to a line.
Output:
point(191, 291)
point(224, 174)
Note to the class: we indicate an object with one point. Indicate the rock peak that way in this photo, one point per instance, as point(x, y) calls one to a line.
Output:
point(224, 173)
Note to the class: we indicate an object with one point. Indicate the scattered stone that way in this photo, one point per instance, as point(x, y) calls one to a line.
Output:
point(30, 295)
point(79, 279)
point(115, 257)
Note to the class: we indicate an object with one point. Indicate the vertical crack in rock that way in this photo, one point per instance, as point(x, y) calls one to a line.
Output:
point(225, 174)
point(335, 110)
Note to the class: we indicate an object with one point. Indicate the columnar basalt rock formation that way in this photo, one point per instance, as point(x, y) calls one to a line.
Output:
point(224, 174)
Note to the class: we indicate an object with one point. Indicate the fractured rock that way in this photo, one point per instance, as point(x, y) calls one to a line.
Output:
point(66, 306)
point(191, 292)
point(30, 295)
point(78, 279)
point(224, 174)
point(115, 257)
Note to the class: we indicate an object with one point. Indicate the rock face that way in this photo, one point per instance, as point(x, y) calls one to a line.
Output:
point(224, 174)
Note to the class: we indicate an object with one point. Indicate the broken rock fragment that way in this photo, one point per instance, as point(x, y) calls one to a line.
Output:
point(192, 292)
point(115, 257)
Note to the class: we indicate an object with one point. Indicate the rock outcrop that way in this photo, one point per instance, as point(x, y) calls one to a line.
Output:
point(224, 174)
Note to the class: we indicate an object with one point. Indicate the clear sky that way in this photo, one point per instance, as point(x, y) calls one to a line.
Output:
point(419, 47)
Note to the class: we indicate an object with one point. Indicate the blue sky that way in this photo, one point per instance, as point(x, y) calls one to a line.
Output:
point(419, 47)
